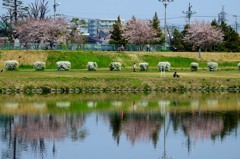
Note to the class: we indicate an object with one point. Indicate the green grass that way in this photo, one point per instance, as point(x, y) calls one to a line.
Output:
point(80, 78)
point(79, 59)
point(175, 61)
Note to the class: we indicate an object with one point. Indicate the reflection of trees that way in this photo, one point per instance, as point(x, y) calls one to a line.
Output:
point(202, 126)
point(8, 137)
point(33, 131)
point(136, 126)
point(205, 124)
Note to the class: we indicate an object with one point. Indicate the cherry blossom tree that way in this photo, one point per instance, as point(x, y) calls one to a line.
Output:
point(139, 31)
point(203, 35)
point(36, 31)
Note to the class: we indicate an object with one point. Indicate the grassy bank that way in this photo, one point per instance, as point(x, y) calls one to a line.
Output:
point(78, 77)
point(104, 79)
point(79, 59)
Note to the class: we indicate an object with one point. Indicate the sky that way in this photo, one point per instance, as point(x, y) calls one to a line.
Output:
point(145, 9)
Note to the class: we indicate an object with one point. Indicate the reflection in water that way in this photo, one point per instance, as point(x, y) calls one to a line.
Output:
point(91, 104)
point(63, 104)
point(202, 127)
point(145, 127)
point(39, 105)
point(11, 105)
point(136, 126)
point(45, 134)
point(22, 133)
point(143, 103)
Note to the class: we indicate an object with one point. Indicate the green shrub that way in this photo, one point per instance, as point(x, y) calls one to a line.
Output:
point(63, 65)
point(212, 66)
point(39, 65)
point(164, 66)
point(92, 66)
point(11, 65)
point(115, 66)
point(143, 66)
point(194, 66)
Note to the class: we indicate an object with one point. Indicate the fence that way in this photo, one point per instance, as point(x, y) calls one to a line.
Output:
point(92, 47)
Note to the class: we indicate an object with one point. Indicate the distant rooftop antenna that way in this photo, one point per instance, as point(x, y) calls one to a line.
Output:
point(189, 13)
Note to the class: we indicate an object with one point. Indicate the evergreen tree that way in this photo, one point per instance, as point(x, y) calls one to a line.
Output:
point(231, 42)
point(177, 41)
point(117, 33)
point(155, 23)
point(15, 9)
point(4, 26)
point(187, 47)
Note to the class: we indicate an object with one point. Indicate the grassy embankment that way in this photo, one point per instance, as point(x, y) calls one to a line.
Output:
point(78, 77)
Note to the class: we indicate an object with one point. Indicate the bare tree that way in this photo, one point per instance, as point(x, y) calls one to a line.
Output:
point(38, 9)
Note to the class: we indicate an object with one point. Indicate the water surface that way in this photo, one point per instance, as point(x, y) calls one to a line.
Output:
point(159, 125)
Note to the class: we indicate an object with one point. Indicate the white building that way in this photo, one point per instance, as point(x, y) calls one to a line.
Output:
point(97, 27)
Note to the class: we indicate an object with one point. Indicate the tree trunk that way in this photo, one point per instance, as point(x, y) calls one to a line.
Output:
point(199, 53)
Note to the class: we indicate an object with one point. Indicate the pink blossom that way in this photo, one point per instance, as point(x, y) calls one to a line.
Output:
point(203, 35)
point(36, 31)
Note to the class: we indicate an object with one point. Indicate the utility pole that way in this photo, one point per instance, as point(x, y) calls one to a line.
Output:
point(222, 16)
point(236, 22)
point(165, 3)
point(55, 4)
point(189, 13)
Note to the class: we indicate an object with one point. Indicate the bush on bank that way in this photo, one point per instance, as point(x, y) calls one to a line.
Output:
point(39, 65)
point(143, 66)
point(115, 66)
point(63, 65)
point(212, 66)
point(194, 66)
point(92, 66)
point(11, 65)
point(164, 66)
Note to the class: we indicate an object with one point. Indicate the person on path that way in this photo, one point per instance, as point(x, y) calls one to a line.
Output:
point(134, 67)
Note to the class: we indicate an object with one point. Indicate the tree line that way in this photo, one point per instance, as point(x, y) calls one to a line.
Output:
point(32, 25)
